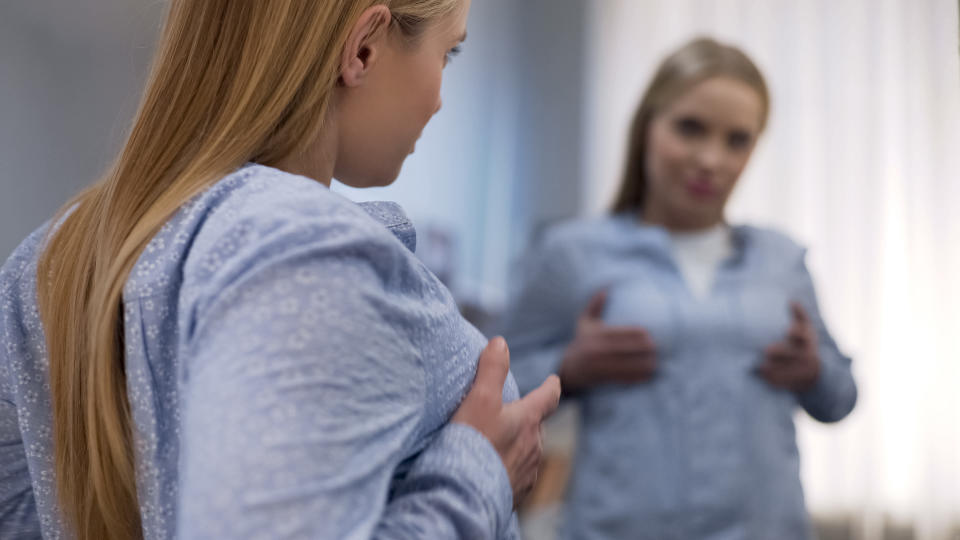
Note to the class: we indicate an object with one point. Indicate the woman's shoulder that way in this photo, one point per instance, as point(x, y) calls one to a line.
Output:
point(251, 216)
point(770, 251)
point(769, 241)
point(262, 203)
point(584, 233)
point(22, 260)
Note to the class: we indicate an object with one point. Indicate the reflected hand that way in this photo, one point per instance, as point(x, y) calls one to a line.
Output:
point(793, 364)
point(600, 353)
point(513, 428)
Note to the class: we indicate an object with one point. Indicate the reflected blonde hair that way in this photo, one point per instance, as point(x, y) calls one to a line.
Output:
point(232, 82)
point(694, 62)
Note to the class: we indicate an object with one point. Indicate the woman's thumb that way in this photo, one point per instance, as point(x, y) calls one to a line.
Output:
point(492, 368)
point(595, 307)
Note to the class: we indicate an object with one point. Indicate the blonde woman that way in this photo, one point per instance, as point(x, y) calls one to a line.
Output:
point(208, 343)
point(688, 343)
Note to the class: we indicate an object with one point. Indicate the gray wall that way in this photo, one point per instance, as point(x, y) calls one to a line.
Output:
point(553, 68)
point(70, 75)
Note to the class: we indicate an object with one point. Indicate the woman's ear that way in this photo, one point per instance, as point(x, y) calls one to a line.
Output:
point(364, 45)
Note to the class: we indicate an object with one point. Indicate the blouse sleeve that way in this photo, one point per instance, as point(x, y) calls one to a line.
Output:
point(834, 394)
point(302, 396)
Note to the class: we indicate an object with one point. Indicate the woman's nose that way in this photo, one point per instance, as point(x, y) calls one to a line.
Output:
point(710, 155)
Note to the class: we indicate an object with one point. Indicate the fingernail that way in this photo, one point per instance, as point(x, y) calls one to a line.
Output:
point(498, 344)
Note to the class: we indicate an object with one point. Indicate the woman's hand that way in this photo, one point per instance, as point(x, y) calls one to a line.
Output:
point(512, 428)
point(793, 364)
point(601, 354)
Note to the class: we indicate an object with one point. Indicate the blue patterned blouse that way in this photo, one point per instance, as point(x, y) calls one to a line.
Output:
point(291, 368)
point(705, 450)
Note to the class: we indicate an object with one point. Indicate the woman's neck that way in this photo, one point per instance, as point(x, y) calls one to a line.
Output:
point(317, 161)
point(680, 225)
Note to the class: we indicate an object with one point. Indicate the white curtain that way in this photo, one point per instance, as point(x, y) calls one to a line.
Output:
point(860, 163)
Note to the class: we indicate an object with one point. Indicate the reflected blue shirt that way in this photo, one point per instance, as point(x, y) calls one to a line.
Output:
point(707, 449)
point(291, 369)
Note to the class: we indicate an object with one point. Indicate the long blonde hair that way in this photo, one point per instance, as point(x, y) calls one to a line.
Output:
point(694, 62)
point(232, 82)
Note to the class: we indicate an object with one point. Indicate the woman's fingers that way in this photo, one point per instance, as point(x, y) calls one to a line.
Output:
point(799, 314)
point(625, 368)
point(542, 401)
point(594, 309)
point(776, 373)
point(611, 340)
point(492, 369)
point(493, 366)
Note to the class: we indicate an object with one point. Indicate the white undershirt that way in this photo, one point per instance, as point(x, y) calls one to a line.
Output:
point(699, 254)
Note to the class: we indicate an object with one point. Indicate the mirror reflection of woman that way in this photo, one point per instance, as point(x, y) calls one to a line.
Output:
point(686, 341)
point(209, 343)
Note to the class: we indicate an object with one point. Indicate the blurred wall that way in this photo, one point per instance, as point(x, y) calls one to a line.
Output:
point(70, 76)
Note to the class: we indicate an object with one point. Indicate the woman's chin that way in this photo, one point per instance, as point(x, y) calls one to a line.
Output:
point(371, 180)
